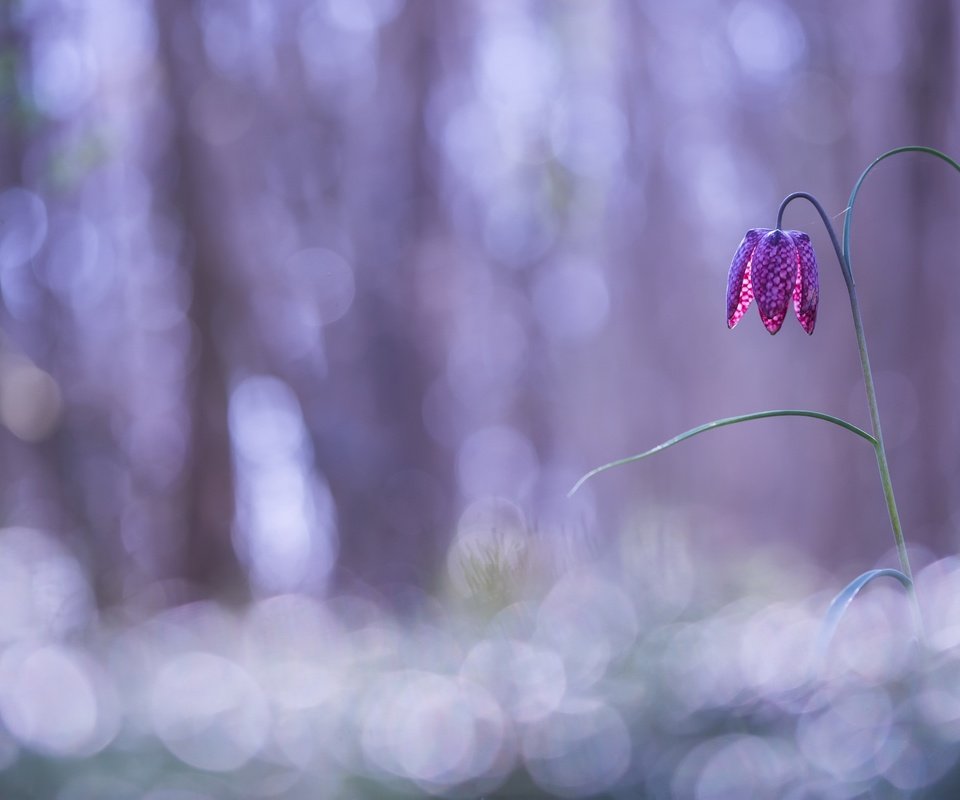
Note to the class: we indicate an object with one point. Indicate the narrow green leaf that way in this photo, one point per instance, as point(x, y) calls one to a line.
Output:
point(720, 423)
point(843, 600)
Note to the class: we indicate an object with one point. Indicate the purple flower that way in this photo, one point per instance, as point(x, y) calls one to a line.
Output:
point(772, 266)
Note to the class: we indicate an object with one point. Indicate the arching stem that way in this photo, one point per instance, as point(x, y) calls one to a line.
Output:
point(882, 463)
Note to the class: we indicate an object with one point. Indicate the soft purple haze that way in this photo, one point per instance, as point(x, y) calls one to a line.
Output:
point(299, 295)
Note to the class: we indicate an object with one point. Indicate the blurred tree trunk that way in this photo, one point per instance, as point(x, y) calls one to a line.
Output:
point(392, 511)
point(209, 558)
point(930, 92)
point(12, 53)
point(39, 486)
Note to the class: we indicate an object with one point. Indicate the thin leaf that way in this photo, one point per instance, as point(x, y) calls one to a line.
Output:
point(843, 600)
point(720, 423)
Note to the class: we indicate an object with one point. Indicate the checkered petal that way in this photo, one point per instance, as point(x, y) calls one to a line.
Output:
point(774, 270)
point(806, 290)
point(739, 283)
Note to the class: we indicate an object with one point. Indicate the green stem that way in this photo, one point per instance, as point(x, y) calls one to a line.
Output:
point(881, 451)
point(868, 383)
point(843, 256)
point(868, 376)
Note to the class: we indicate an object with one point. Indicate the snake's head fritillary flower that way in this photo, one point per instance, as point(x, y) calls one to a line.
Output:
point(773, 266)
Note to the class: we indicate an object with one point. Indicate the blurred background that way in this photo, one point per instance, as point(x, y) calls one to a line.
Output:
point(312, 311)
point(295, 293)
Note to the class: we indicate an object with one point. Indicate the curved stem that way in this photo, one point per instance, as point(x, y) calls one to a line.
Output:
point(882, 462)
point(913, 148)
point(847, 275)
point(846, 262)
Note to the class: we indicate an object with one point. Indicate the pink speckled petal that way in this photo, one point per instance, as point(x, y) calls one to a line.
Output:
point(739, 283)
point(806, 291)
point(774, 275)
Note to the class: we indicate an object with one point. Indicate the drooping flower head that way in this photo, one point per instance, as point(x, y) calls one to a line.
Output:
point(773, 266)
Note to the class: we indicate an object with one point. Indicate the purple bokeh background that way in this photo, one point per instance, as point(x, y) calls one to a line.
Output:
point(295, 293)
